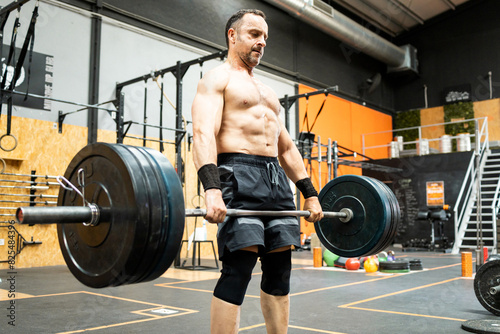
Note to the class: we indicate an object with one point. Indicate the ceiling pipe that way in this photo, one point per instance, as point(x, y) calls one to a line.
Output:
point(346, 30)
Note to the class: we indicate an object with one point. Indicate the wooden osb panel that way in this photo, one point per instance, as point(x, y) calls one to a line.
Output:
point(490, 109)
point(43, 150)
point(428, 117)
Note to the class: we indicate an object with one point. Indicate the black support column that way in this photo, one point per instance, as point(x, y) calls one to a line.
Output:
point(95, 59)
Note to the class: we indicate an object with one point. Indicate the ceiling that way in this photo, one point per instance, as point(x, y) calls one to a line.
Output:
point(395, 17)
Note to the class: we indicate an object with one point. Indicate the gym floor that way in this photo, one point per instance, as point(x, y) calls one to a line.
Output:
point(323, 300)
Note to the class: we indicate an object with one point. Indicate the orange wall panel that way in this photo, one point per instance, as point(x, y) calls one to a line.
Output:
point(342, 121)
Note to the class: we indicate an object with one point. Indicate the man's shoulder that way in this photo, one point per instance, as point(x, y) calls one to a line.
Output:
point(219, 75)
point(220, 71)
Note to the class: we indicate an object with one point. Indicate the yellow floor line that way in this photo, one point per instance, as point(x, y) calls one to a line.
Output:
point(404, 313)
point(196, 280)
point(251, 327)
point(139, 312)
point(341, 286)
point(448, 266)
point(127, 323)
point(399, 292)
point(190, 289)
point(124, 299)
point(200, 290)
point(291, 326)
point(315, 330)
point(6, 295)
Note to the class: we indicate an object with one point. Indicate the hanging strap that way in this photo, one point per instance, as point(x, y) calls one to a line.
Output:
point(30, 38)
point(12, 49)
point(32, 44)
point(319, 111)
point(3, 21)
point(306, 119)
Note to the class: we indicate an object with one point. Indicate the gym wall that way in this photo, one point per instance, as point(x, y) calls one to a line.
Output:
point(63, 32)
point(454, 51)
point(435, 115)
point(409, 185)
point(342, 121)
point(294, 48)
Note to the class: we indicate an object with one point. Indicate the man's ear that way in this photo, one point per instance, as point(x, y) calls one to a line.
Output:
point(231, 35)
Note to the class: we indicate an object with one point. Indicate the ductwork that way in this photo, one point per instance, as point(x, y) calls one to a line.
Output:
point(323, 17)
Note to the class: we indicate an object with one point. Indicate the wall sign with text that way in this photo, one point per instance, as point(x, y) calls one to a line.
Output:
point(41, 75)
point(455, 94)
point(435, 193)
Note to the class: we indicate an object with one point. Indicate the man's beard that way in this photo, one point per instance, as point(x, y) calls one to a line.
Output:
point(251, 59)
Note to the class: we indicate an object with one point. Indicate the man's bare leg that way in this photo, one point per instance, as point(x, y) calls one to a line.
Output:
point(276, 309)
point(224, 317)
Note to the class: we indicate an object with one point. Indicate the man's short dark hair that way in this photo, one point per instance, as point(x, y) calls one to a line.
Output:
point(233, 20)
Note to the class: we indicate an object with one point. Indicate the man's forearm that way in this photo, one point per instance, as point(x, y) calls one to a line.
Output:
point(292, 163)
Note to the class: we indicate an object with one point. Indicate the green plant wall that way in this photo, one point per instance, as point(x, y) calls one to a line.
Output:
point(456, 112)
point(407, 119)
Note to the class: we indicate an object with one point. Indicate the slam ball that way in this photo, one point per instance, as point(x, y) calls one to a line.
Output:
point(352, 264)
point(329, 258)
point(370, 265)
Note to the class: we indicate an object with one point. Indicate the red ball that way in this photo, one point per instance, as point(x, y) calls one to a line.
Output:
point(352, 264)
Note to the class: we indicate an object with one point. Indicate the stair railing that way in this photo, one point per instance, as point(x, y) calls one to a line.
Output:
point(468, 190)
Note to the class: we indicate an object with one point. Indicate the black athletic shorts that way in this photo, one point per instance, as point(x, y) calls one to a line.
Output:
point(255, 183)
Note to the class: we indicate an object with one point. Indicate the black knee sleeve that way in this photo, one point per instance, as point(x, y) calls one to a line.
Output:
point(276, 268)
point(236, 272)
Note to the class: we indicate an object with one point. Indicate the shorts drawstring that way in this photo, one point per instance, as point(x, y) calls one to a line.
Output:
point(273, 173)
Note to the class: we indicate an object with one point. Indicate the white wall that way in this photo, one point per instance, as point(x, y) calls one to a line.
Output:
point(126, 52)
point(66, 36)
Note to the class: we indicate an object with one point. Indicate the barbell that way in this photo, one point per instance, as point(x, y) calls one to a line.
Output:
point(124, 221)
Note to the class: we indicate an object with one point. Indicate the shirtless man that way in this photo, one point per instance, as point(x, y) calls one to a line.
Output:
point(238, 141)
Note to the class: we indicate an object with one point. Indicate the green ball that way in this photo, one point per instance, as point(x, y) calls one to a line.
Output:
point(329, 258)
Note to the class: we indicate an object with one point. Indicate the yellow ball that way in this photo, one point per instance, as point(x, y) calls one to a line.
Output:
point(370, 265)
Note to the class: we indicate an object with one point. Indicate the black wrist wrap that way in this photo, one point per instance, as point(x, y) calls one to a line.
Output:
point(306, 188)
point(209, 176)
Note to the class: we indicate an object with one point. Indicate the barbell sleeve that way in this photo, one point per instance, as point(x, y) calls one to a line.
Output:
point(89, 215)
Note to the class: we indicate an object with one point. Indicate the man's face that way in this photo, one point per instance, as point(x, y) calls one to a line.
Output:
point(250, 39)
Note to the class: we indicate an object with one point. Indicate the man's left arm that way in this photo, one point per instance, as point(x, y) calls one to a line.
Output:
point(293, 164)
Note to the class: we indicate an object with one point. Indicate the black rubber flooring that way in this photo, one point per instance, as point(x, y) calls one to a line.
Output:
point(323, 300)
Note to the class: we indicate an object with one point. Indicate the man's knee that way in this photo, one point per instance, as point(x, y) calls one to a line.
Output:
point(276, 268)
point(236, 272)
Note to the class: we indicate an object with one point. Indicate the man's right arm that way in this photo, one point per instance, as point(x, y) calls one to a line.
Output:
point(207, 115)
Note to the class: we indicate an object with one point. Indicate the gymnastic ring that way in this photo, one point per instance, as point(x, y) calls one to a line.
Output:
point(3, 166)
point(8, 135)
point(201, 200)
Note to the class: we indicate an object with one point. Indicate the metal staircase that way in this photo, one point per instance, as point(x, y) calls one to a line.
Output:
point(467, 237)
point(476, 216)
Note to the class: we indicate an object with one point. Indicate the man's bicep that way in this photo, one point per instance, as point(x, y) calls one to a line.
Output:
point(208, 102)
point(207, 112)
point(285, 141)
point(206, 115)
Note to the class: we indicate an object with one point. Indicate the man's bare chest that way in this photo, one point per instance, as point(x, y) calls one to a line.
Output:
point(249, 93)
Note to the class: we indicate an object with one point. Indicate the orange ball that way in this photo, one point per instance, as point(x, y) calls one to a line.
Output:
point(352, 264)
point(370, 265)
